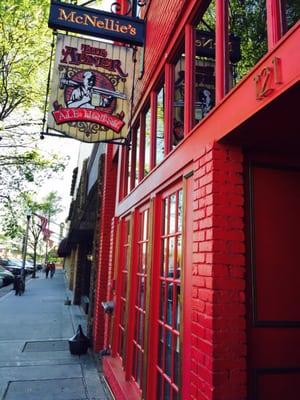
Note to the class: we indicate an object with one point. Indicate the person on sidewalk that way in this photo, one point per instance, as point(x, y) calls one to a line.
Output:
point(52, 269)
point(47, 269)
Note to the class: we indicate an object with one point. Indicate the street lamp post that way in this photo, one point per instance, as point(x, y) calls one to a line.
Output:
point(25, 245)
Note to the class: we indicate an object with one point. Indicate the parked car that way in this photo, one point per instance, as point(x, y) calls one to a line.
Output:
point(29, 267)
point(12, 265)
point(6, 276)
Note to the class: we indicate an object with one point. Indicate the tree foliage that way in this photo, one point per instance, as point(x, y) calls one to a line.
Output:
point(33, 209)
point(248, 21)
point(24, 49)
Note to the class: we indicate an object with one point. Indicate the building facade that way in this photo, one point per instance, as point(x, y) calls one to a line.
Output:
point(200, 214)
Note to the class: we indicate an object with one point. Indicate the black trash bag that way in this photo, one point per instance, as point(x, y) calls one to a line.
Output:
point(79, 343)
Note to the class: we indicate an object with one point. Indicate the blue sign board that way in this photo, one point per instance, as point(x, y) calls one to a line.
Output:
point(96, 23)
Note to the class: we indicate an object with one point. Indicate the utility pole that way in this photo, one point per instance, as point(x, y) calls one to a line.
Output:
point(25, 245)
point(47, 239)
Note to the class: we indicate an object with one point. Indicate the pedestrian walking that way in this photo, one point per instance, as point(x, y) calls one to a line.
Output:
point(52, 269)
point(47, 269)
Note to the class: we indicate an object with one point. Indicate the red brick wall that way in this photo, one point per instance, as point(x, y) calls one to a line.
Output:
point(218, 296)
point(107, 213)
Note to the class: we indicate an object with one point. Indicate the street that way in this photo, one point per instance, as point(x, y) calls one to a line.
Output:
point(35, 362)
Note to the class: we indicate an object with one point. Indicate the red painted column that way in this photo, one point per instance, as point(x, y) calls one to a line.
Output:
point(218, 338)
point(107, 213)
point(221, 49)
point(274, 22)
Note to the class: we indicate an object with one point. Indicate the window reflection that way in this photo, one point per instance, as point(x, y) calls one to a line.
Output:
point(205, 64)
point(178, 123)
point(172, 213)
point(171, 257)
point(180, 211)
point(137, 162)
point(160, 126)
point(147, 142)
point(166, 216)
point(291, 13)
point(248, 24)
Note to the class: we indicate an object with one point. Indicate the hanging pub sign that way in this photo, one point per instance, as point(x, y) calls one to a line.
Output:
point(90, 91)
point(206, 43)
point(96, 23)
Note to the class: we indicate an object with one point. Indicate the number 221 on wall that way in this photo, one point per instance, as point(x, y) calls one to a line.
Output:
point(267, 79)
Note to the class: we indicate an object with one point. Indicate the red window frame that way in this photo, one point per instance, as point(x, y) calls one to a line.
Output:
point(139, 277)
point(171, 331)
point(119, 344)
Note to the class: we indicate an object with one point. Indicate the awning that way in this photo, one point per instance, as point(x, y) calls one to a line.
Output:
point(64, 248)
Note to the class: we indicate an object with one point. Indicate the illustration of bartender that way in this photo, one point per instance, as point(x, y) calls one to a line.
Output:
point(86, 95)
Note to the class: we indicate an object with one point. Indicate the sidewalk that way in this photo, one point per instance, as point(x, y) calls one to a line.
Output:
point(35, 362)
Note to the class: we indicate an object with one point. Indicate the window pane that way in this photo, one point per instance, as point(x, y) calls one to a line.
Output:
point(179, 257)
point(162, 301)
point(291, 11)
point(129, 170)
point(177, 308)
point(159, 387)
point(137, 166)
point(145, 225)
point(167, 391)
point(147, 143)
point(205, 64)
point(248, 36)
point(178, 101)
point(180, 211)
point(171, 257)
point(161, 346)
point(176, 360)
point(160, 126)
point(172, 213)
point(164, 257)
point(170, 304)
point(166, 216)
point(168, 355)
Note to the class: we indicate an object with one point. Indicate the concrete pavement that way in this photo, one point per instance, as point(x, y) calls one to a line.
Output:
point(35, 362)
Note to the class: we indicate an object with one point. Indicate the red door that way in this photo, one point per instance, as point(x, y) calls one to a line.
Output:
point(274, 284)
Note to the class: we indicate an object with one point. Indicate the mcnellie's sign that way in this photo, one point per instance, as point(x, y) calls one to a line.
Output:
point(90, 90)
point(92, 22)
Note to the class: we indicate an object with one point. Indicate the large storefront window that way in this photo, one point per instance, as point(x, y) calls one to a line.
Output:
point(123, 289)
point(170, 284)
point(140, 298)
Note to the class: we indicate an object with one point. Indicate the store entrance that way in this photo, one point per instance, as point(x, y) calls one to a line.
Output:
point(273, 281)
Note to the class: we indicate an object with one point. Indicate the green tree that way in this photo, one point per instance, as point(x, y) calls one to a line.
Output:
point(25, 47)
point(15, 223)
